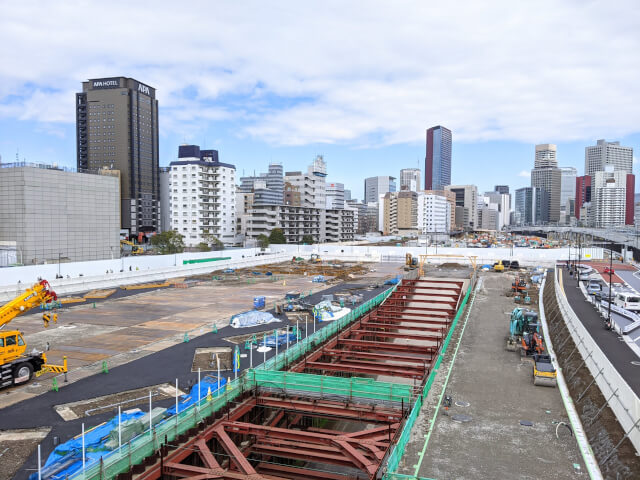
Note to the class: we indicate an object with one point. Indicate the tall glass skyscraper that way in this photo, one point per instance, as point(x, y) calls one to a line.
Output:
point(437, 164)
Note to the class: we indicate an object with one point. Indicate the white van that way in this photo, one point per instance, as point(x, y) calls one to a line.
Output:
point(628, 301)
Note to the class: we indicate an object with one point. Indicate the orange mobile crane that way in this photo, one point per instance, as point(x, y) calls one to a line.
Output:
point(15, 366)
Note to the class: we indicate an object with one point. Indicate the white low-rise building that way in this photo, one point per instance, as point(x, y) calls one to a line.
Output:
point(434, 215)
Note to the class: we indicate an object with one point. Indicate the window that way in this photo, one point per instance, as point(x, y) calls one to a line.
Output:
point(11, 341)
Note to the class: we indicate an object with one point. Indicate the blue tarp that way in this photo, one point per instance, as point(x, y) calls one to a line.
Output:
point(66, 459)
point(282, 339)
point(190, 398)
point(319, 279)
point(394, 281)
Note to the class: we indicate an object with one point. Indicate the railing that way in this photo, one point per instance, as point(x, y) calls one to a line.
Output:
point(144, 445)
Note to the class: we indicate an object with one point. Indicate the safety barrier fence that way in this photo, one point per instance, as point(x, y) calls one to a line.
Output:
point(398, 450)
point(135, 451)
point(620, 397)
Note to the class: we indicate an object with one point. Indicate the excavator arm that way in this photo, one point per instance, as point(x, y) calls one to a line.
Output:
point(38, 294)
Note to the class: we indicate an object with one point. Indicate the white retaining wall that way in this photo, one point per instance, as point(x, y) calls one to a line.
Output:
point(85, 276)
point(622, 400)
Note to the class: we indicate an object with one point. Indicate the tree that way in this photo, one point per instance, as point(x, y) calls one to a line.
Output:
point(203, 247)
point(168, 242)
point(212, 241)
point(308, 239)
point(277, 236)
point(263, 241)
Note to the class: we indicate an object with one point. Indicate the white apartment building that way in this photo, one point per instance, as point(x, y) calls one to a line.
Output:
point(203, 196)
point(311, 184)
point(608, 195)
point(434, 214)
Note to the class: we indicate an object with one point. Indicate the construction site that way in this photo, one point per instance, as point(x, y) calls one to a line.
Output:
point(430, 368)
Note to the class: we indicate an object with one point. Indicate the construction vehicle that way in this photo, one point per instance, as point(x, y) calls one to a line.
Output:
point(544, 373)
point(532, 344)
point(522, 321)
point(15, 366)
point(520, 285)
point(315, 258)
point(410, 262)
point(135, 248)
point(498, 266)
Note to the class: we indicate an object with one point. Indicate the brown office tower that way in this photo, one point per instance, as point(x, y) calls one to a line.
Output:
point(117, 129)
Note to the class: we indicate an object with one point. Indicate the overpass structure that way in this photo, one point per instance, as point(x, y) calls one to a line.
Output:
point(619, 236)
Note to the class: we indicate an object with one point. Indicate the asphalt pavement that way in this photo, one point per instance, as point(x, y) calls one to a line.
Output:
point(164, 366)
point(618, 354)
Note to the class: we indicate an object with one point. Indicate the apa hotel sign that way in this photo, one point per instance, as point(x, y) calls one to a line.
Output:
point(106, 83)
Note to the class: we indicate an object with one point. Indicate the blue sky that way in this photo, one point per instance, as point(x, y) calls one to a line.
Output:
point(356, 82)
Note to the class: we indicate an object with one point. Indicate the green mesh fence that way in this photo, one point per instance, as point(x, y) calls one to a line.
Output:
point(325, 386)
point(398, 450)
point(144, 445)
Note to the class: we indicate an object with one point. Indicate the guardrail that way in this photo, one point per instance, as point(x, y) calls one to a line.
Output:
point(145, 444)
point(622, 400)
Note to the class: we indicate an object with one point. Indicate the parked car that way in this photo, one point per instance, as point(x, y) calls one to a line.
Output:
point(628, 301)
point(514, 265)
point(593, 287)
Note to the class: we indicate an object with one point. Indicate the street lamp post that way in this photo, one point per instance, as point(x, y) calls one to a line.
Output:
point(610, 284)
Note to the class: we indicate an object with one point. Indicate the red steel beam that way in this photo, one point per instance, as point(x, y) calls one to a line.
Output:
point(402, 319)
point(296, 473)
point(412, 328)
point(364, 369)
point(378, 356)
point(387, 346)
point(350, 412)
point(426, 338)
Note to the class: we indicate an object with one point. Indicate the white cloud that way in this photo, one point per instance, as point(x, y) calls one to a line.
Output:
point(525, 173)
point(369, 72)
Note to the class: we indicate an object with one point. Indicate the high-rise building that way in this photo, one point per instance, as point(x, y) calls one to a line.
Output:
point(437, 164)
point(546, 156)
point(466, 205)
point(529, 205)
point(607, 153)
point(612, 196)
point(347, 195)
point(547, 177)
point(502, 202)
point(503, 189)
point(117, 129)
point(203, 196)
point(165, 199)
point(376, 186)
point(568, 177)
point(410, 179)
point(583, 195)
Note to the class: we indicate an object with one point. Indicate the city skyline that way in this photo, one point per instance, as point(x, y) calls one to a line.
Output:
point(265, 101)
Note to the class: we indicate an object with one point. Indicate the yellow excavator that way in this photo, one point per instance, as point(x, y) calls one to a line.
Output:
point(135, 248)
point(15, 366)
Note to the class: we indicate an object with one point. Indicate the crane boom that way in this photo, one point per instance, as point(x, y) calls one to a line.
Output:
point(39, 294)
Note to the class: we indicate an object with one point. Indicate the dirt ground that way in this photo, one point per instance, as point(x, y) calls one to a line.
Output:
point(494, 388)
point(15, 447)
